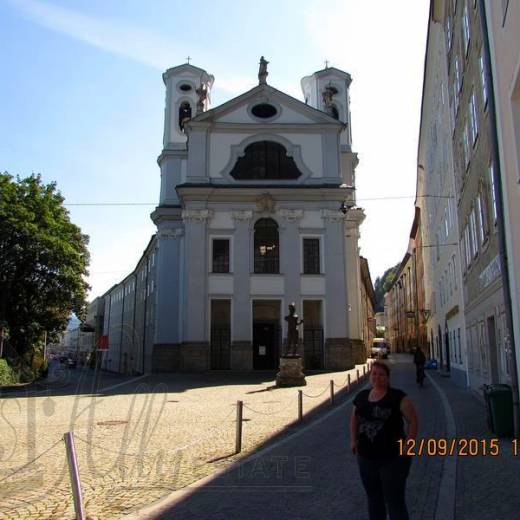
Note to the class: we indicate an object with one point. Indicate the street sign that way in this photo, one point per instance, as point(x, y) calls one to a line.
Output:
point(102, 343)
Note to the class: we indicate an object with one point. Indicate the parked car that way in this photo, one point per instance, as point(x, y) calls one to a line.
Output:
point(379, 349)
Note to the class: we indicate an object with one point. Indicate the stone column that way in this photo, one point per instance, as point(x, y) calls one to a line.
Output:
point(337, 347)
point(290, 263)
point(195, 345)
point(164, 356)
point(353, 276)
point(242, 347)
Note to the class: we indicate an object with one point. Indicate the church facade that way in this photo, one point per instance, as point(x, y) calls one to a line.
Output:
point(257, 210)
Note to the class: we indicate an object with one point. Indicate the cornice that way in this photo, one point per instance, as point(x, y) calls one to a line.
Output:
point(242, 215)
point(197, 215)
point(291, 215)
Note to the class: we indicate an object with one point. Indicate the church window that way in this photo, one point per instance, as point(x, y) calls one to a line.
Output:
point(220, 255)
point(265, 160)
point(311, 256)
point(266, 244)
point(185, 87)
point(264, 111)
point(184, 114)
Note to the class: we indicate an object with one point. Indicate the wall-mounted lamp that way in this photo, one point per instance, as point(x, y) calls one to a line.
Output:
point(345, 207)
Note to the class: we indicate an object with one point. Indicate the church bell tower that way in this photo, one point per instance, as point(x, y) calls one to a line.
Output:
point(188, 90)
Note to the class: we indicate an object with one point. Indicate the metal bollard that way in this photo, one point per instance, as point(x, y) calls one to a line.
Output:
point(364, 370)
point(357, 375)
point(331, 391)
point(348, 382)
point(300, 405)
point(75, 482)
point(238, 438)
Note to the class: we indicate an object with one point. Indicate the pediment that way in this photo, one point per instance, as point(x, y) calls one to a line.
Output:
point(289, 110)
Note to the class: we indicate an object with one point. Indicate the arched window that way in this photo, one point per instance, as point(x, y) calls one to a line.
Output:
point(267, 248)
point(265, 160)
point(184, 114)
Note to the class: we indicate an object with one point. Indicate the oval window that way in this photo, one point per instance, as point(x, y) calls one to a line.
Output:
point(264, 110)
point(185, 87)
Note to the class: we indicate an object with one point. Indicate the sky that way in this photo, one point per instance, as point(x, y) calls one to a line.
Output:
point(82, 101)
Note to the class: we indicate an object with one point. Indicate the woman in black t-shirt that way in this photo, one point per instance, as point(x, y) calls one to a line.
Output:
point(376, 427)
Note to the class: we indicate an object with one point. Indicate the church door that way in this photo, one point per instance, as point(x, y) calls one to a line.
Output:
point(266, 334)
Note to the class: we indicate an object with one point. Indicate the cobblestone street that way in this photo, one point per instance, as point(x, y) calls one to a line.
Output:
point(136, 440)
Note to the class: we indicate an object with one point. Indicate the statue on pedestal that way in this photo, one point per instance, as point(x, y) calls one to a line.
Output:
point(291, 364)
point(292, 331)
point(262, 71)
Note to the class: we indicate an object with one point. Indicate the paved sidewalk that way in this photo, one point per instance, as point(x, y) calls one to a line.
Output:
point(486, 486)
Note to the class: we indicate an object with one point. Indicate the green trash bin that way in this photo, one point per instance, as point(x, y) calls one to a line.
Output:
point(500, 407)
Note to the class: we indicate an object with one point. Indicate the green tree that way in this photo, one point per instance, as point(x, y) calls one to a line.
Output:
point(43, 262)
point(382, 285)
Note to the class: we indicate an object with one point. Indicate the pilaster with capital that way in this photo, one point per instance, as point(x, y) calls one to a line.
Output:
point(335, 283)
point(290, 254)
point(194, 307)
point(355, 217)
point(242, 251)
point(168, 284)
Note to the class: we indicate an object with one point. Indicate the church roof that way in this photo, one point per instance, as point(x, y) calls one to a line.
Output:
point(261, 92)
point(185, 67)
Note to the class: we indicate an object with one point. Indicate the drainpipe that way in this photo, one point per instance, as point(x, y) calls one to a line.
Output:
point(145, 311)
point(134, 331)
point(122, 326)
point(500, 217)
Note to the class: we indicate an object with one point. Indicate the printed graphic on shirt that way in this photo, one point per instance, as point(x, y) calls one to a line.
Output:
point(370, 428)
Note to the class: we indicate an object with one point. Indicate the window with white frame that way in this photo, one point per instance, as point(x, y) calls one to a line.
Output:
point(311, 255)
point(473, 117)
point(467, 246)
point(448, 32)
point(465, 146)
point(473, 232)
point(482, 220)
point(450, 278)
point(220, 255)
point(454, 272)
point(491, 175)
point(460, 349)
point(483, 79)
point(466, 32)
point(458, 78)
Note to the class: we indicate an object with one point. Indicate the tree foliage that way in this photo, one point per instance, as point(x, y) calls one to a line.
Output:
point(43, 262)
point(382, 285)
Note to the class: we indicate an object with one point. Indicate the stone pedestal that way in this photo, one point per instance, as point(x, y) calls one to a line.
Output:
point(290, 373)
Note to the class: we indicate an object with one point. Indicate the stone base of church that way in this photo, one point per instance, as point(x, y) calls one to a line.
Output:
point(359, 353)
point(166, 357)
point(195, 356)
point(338, 354)
point(241, 355)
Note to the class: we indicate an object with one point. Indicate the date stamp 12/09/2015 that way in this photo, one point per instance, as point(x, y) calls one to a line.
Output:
point(462, 447)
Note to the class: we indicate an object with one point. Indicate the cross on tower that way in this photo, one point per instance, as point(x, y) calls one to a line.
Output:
point(326, 64)
point(188, 59)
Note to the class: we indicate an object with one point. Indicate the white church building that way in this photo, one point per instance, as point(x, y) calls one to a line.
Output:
point(257, 210)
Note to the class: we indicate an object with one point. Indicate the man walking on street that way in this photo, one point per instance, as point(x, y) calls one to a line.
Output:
point(419, 359)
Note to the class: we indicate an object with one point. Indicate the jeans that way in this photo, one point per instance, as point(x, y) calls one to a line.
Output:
point(384, 481)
